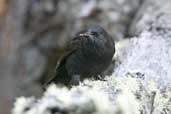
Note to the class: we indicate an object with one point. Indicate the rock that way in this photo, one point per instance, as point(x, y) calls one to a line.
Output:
point(148, 12)
point(125, 95)
point(149, 53)
point(61, 100)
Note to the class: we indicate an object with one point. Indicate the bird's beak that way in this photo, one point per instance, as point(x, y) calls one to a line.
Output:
point(84, 34)
point(80, 36)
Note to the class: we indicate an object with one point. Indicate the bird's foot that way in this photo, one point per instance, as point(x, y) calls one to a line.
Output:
point(75, 80)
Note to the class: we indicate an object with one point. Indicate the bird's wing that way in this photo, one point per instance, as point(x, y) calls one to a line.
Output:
point(60, 68)
point(62, 59)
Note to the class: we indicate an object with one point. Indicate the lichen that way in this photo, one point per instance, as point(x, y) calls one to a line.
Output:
point(117, 95)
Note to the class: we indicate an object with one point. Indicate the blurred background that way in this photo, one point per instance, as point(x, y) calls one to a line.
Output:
point(34, 34)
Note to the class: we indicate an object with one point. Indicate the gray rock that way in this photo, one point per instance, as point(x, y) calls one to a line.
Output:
point(149, 53)
point(60, 100)
point(148, 12)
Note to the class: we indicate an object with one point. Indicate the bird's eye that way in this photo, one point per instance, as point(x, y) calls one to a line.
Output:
point(94, 33)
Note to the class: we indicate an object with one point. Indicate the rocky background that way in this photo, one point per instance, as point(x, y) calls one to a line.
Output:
point(34, 34)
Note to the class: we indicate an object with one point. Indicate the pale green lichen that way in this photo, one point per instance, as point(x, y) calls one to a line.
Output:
point(21, 104)
point(139, 96)
point(126, 101)
point(78, 100)
point(116, 95)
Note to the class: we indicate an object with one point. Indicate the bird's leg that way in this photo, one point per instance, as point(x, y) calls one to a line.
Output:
point(75, 80)
point(100, 77)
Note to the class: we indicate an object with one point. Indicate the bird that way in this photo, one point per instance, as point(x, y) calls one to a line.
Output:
point(91, 52)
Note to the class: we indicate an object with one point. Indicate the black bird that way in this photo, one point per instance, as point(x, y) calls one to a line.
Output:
point(91, 53)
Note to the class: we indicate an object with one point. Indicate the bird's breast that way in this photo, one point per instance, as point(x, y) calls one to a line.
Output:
point(94, 60)
point(91, 59)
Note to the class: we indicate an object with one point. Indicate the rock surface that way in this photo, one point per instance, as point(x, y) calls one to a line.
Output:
point(62, 101)
point(123, 95)
point(147, 13)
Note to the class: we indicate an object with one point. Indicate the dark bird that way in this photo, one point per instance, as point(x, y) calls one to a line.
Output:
point(91, 53)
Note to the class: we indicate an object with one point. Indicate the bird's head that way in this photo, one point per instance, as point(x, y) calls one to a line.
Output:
point(91, 34)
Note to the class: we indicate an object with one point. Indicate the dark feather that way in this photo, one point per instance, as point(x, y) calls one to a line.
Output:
point(61, 75)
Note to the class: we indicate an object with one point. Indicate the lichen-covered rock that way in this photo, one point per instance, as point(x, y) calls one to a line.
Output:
point(149, 54)
point(61, 100)
point(117, 95)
